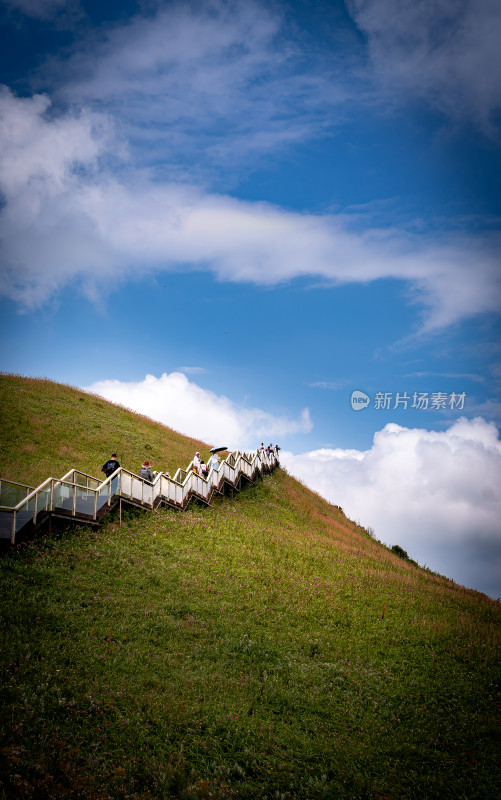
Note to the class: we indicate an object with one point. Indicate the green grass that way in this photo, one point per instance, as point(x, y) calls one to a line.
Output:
point(47, 428)
point(262, 648)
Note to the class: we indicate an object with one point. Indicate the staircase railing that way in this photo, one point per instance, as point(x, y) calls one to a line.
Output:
point(84, 498)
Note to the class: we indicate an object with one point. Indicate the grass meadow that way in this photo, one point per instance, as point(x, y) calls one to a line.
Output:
point(47, 428)
point(263, 648)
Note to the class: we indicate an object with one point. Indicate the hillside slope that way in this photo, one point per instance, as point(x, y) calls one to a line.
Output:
point(261, 648)
point(46, 428)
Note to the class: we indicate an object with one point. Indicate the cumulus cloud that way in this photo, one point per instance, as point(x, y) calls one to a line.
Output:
point(436, 494)
point(45, 165)
point(43, 150)
point(183, 405)
point(68, 218)
point(443, 51)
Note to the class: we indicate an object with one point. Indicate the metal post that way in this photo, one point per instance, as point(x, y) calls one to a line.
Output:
point(13, 536)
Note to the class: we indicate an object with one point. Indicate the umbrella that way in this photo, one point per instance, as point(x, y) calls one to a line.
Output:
point(217, 449)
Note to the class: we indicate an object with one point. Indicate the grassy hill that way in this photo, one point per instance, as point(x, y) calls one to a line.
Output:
point(265, 647)
point(47, 428)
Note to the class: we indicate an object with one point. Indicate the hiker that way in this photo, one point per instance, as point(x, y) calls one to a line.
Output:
point(204, 469)
point(166, 474)
point(196, 463)
point(214, 462)
point(145, 471)
point(110, 466)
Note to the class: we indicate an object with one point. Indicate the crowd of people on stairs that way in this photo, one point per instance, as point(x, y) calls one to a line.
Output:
point(198, 465)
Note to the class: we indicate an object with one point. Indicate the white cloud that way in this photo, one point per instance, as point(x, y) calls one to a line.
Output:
point(342, 383)
point(46, 167)
point(210, 82)
point(444, 51)
point(193, 370)
point(41, 151)
point(183, 405)
point(67, 218)
point(436, 494)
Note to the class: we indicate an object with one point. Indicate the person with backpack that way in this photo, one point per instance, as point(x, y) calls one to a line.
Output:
point(110, 466)
point(145, 472)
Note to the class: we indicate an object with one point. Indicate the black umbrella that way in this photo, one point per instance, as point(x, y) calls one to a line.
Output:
point(217, 449)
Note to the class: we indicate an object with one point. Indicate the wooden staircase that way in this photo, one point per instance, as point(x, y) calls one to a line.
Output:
point(82, 498)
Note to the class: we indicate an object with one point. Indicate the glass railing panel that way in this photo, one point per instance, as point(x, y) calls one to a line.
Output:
point(84, 501)
point(164, 487)
point(125, 484)
point(148, 494)
point(25, 514)
point(115, 484)
point(11, 494)
point(62, 497)
point(137, 489)
point(6, 518)
point(170, 490)
point(157, 489)
point(43, 500)
point(81, 479)
point(102, 497)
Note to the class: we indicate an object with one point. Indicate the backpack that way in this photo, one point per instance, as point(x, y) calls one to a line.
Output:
point(109, 467)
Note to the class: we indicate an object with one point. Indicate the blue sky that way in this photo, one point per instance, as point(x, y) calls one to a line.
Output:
point(232, 215)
